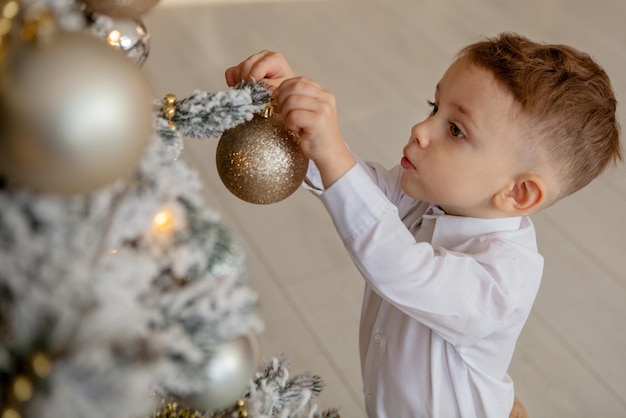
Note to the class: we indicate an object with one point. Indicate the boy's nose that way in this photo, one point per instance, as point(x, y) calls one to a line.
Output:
point(420, 134)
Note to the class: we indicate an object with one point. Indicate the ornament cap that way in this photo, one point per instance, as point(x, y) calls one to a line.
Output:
point(268, 112)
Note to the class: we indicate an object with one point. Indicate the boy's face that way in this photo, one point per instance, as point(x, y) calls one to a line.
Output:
point(465, 151)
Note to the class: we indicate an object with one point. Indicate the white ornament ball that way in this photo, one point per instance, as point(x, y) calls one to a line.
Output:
point(229, 371)
point(77, 115)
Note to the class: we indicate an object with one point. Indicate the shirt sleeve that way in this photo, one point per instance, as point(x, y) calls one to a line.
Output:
point(384, 179)
point(462, 295)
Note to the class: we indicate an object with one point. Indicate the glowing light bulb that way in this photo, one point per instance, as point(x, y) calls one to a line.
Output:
point(41, 365)
point(163, 221)
point(22, 388)
point(10, 413)
point(114, 37)
point(10, 10)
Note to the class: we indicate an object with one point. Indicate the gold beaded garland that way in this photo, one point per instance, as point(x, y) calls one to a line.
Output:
point(176, 410)
point(169, 99)
point(260, 161)
point(241, 409)
point(172, 409)
point(169, 109)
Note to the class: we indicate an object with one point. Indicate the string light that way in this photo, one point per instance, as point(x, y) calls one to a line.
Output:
point(23, 385)
point(10, 413)
point(166, 222)
point(22, 389)
point(163, 221)
point(114, 38)
point(41, 365)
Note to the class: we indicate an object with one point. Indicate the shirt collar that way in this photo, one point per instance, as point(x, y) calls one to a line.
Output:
point(451, 231)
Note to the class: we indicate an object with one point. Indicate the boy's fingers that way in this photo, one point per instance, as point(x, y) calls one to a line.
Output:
point(267, 65)
point(295, 91)
point(232, 76)
point(253, 67)
point(243, 70)
point(264, 65)
point(297, 85)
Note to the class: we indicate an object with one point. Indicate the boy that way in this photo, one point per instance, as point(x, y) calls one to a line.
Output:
point(444, 239)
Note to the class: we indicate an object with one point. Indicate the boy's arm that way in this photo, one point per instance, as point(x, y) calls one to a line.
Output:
point(463, 296)
point(386, 180)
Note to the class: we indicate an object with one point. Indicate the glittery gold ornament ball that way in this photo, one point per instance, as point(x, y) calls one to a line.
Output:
point(120, 8)
point(260, 161)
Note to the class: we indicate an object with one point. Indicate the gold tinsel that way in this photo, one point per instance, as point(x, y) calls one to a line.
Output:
point(176, 410)
point(172, 409)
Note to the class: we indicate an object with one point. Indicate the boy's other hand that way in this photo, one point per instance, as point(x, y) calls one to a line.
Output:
point(311, 110)
point(265, 65)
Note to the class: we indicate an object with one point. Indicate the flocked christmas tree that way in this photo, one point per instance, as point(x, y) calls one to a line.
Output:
point(121, 293)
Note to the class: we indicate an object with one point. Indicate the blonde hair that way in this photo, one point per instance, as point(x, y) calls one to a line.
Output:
point(568, 99)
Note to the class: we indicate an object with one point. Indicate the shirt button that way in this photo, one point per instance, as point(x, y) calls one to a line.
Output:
point(378, 338)
point(369, 397)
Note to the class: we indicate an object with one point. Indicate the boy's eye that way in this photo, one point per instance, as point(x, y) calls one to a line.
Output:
point(456, 132)
point(434, 106)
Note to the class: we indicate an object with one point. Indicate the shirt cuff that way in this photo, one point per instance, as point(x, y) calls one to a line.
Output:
point(313, 180)
point(355, 203)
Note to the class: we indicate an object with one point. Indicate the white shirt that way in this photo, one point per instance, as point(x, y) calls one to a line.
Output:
point(442, 313)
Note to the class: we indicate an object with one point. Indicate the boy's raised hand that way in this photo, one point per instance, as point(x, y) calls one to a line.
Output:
point(311, 110)
point(306, 107)
point(264, 65)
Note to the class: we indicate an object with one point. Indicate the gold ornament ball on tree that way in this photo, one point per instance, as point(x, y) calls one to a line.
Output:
point(75, 115)
point(260, 161)
point(120, 8)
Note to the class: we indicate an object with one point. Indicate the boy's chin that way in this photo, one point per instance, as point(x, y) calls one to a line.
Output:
point(411, 192)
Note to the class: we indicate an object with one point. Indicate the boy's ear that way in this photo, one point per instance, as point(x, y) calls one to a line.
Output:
point(522, 197)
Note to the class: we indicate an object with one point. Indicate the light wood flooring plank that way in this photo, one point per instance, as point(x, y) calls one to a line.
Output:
point(552, 383)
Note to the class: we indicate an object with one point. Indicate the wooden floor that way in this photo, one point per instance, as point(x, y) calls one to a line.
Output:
point(382, 58)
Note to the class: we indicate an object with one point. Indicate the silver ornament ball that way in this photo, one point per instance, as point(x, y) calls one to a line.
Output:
point(77, 115)
point(228, 372)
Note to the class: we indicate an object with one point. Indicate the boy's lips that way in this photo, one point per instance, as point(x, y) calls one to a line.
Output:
point(406, 164)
